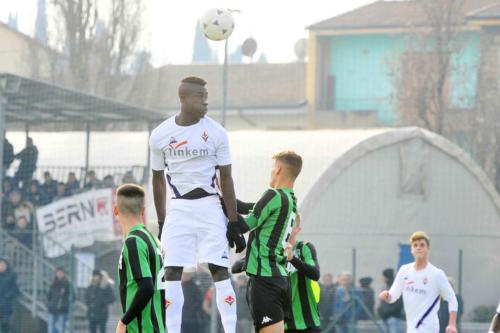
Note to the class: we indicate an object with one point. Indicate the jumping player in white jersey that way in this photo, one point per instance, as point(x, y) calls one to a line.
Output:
point(422, 285)
point(495, 322)
point(186, 151)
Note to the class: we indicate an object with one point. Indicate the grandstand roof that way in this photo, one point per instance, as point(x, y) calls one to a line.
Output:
point(35, 102)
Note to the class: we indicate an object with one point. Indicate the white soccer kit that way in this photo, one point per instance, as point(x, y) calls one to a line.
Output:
point(498, 309)
point(421, 292)
point(194, 230)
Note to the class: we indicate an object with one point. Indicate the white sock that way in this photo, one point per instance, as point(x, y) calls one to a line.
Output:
point(226, 303)
point(174, 300)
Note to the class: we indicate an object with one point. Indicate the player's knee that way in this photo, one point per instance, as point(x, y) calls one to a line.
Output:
point(173, 273)
point(219, 273)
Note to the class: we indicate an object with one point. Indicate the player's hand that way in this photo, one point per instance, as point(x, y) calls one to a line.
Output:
point(160, 228)
point(235, 237)
point(451, 329)
point(385, 296)
point(121, 327)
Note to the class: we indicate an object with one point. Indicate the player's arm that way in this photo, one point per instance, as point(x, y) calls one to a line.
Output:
point(309, 266)
point(137, 263)
point(393, 294)
point(234, 233)
point(159, 184)
point(266, 205)
point(228, 195)
point(223, 156)
point(446, 291)
point(160, 195)
point(495, 322)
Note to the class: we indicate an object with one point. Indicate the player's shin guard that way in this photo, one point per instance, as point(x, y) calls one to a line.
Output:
point(174, 300)
point(226, 303)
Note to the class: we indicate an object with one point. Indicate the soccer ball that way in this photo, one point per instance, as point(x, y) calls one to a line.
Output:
point(217, 23)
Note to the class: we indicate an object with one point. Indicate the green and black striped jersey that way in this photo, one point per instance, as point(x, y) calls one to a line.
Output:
point(141, 258)
point(305, 291)
point(270, 222)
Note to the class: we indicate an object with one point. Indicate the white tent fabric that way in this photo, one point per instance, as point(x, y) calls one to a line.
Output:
point(381, 190)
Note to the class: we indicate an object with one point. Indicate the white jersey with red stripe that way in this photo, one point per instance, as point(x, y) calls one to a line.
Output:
point(421, 292)
point(190, 154)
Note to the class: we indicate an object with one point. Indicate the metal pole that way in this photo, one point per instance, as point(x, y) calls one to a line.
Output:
point(3, 102)
point(460, 276)
point(460, 269)
point(87, 150)
point(27, 129)
point(72, 296)
point(214, 325)
point(145, 176)
point(35, 270)
point(224, 86)
point(353, 294)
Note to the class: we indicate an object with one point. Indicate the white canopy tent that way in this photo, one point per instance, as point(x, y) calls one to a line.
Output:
point(377, 193)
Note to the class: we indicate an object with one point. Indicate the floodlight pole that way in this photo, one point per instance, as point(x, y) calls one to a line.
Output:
point(3, 101)
point(87, 151)
point(224, 86)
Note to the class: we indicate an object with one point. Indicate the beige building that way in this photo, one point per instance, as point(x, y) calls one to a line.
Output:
point(22, 55)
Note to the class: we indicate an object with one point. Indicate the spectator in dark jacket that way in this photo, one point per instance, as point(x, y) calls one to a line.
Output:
point(59, 300)
point(343, 304)
point(8, 293)
point(29, 159)
point(48, 189)
point(33, 193)
point(245, 322)
point(23, 231)
point(193, 301)
point(73, 185)
point(325, 305)
point(14, 208)
point(98, 297)
point(108, 182)
point(8, 155)
point(367, 297)
point(390, 313)
point(93, 183)
point(8, 186)
point(60, 192)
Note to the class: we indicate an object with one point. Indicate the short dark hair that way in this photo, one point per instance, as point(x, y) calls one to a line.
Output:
point(292, 161)
point(130, 199)
point(194, 80)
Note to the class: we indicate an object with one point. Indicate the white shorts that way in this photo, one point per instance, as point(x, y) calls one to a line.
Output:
point(195, 232)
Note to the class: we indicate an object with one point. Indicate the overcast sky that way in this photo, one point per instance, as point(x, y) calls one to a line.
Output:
point(170, 25)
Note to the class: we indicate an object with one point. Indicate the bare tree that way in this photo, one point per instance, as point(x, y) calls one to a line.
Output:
point(423, 80)
point(98, 42)
point(426, 95)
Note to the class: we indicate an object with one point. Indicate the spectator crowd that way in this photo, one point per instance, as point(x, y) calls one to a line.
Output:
point(21, 194)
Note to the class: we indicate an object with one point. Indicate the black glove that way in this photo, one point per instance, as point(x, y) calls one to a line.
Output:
point(160, 228)
point(235, 237)
point(244, 207)
point(241, 206)
point(242, 225)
